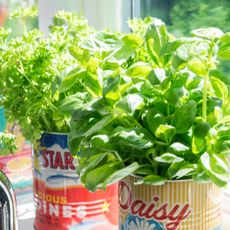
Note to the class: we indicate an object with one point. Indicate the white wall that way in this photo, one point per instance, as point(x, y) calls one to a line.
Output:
point(111, 14)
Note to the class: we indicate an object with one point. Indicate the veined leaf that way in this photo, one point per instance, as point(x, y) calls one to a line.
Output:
point(178, 148)
point(210, 163)
point(185, 116)
point(130, 43)
point(209, 33)
point(186, 171)
point(95, 178)
point(172, 46)
point(197, 67)
point(157, 76)
point(165, 133)
point(219, 87)
point(112, 89)
point(122, 173)
point(225, 38)
point(73, 102)
point(70, 79)
point(224, 51)
point(198, 144)
point(139, 70)
point(129, 103)
point(99, 141)
point(175, 167)
point(154, 119)
point(152, 180)
point(130, 138)
point(99, 125)
point(92, 163)
point(168, 158)
point(156, 37)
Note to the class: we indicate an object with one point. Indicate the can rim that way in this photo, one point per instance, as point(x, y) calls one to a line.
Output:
point(56, 133)
point(177, 181)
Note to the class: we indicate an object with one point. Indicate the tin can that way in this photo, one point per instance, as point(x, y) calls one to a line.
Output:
point(18, 168)
point(2, 120)
point(176, 205)
point(61, 201)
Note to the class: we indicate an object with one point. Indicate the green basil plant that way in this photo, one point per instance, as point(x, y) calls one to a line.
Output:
point(154, 106)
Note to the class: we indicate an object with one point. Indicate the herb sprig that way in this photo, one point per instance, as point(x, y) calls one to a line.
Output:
point(31, 72)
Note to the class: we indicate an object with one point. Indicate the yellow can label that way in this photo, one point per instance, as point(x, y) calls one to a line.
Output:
point(184, 205)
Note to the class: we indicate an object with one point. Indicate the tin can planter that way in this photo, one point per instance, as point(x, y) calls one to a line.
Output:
point(61, 201)
point(176, 205)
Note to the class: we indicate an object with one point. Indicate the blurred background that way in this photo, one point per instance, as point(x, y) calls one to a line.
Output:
point(180, 15)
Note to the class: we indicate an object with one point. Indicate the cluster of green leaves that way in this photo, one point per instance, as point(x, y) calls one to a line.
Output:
point(154, 105)
point(32, 67)
point(7, 144)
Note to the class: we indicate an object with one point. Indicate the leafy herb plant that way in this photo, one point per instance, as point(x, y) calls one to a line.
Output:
point(32, 67)
point(156, 107)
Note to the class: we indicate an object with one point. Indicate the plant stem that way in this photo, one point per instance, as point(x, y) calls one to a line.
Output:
point(36, 89)
point(204, 101)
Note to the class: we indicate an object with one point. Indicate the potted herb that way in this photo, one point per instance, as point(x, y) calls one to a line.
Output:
point(158, 123)
point(38, 90)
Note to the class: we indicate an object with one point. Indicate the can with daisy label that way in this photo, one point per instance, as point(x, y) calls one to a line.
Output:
point(62, 202)
point(176, 205)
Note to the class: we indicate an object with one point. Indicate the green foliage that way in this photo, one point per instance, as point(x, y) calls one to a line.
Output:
point(33, 67)
point(144, 103)
point(188, 15)
point(7, 144)
point(158, 107)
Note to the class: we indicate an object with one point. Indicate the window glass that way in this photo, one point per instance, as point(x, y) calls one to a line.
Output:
point(182, 16)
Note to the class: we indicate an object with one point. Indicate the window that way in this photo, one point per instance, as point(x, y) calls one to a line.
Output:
point(183, 16)
point(111, 14)
point(18, 24)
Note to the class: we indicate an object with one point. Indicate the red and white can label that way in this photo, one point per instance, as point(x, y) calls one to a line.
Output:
point(61, 200)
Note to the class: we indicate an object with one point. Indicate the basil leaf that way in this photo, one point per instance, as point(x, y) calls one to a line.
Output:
point(154, 119)
point(198, 144)
point(219, 87)
point(130, 138)
point(197, 67)
point(121, 174)
point(165, 133)
point(156, 37)
point(216, 168)
point(157, 76)
point(185, 116)
point(95, 179)
point(139, 70)
point(168, 158)
point(178, 148)
point(201, 129)
point(129, 104)
point(175, 167)
point(186, 171)
point(152, 180)
point(224, 51)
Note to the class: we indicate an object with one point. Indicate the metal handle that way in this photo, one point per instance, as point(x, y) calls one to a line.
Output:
point(8, 207)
